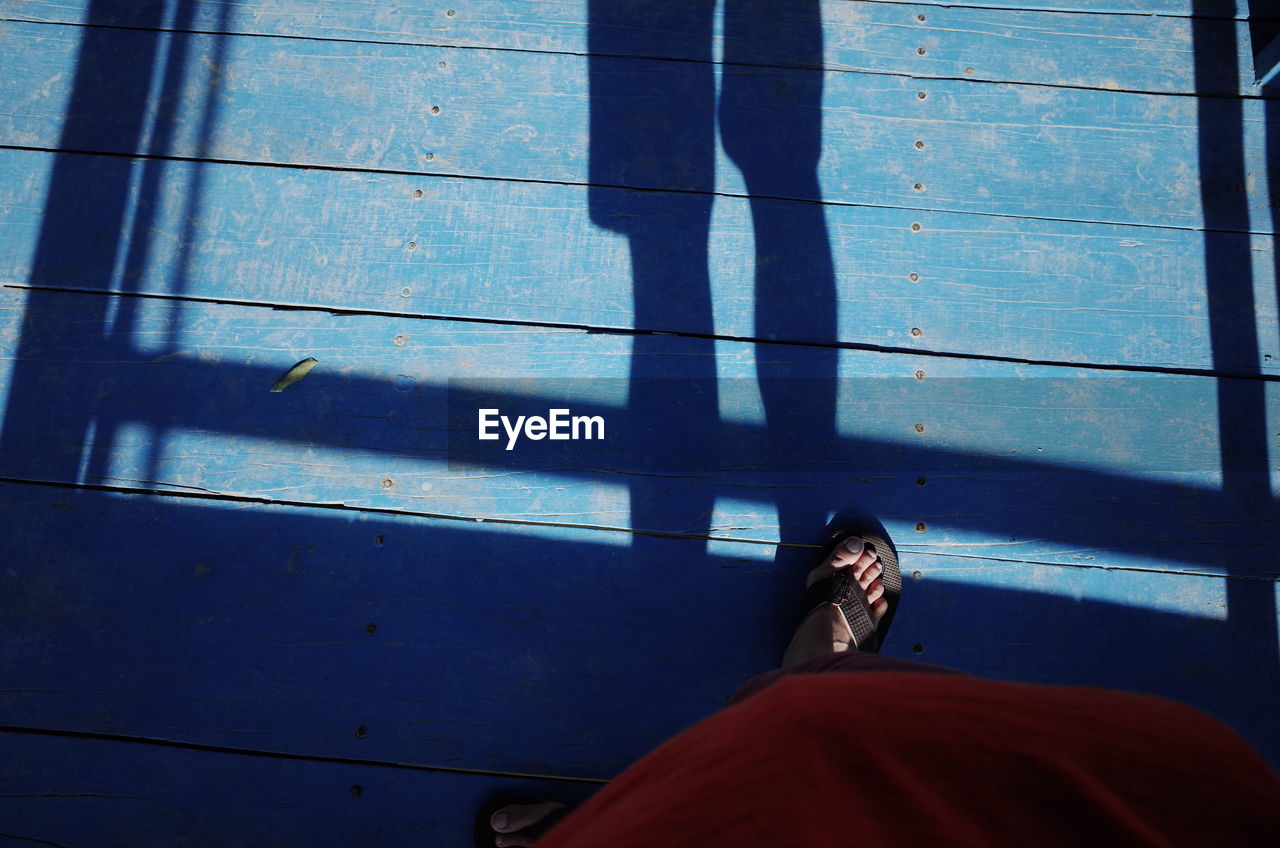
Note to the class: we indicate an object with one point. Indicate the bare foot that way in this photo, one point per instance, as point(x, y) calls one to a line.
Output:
point(824, 631)
point(512, 824)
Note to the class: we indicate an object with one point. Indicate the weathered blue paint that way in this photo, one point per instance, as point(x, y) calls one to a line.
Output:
point(1060, 291)
point(1130, 52)
point(1003, 149)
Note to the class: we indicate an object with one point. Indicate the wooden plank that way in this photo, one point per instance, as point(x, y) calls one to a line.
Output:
point(1192, 8)
point(1189, 8)
point(733, 440)
point(989, 148)
point(496, 646)
point(1103, 294)
point(1183, 8)
point(99, 792)
point(322, 18)
point(1148, 51)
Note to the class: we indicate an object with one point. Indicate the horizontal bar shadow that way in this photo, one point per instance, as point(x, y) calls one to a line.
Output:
point(746, 462)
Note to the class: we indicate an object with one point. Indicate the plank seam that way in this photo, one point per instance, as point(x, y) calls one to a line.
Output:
point(33, 840)
point(631, 331)
point(208, 495)
point(353, 169)
point(1275, 578)
point(1240, 95)
point(284, 755)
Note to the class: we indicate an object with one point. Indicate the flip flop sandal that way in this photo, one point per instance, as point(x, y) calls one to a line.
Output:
point(843, 590)
point(484, 832)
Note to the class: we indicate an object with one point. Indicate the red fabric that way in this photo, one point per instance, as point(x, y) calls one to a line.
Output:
point(900, 758)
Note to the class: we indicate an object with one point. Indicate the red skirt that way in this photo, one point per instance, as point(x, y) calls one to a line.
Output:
point(918, 758)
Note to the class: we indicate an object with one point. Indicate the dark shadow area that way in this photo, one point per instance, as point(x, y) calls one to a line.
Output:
point(288, 630)
point(1264, 26)
point(666, 119)
point(1243, 425)
point(662, 119)
point(794, 275)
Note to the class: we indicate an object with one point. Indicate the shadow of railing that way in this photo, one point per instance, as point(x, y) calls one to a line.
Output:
point(1243, 423)
point(433, 431)
point(145, 88)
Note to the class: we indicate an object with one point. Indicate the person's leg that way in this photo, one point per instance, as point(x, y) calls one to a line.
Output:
point(822, 643)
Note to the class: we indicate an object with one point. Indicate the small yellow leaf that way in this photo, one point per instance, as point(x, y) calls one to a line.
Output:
point(294, 374)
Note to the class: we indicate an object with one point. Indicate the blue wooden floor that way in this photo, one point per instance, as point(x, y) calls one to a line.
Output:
point(1001, 277)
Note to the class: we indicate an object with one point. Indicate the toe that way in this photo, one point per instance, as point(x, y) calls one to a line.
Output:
point(853, 554)
point(878, 608)
point(516, 817)
point(875, 591)
point(869, 573)
point(846, 553)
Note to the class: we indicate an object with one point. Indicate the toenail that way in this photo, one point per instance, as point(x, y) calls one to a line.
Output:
point(499, 821)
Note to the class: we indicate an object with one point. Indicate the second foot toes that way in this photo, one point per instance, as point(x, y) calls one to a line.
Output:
point(516, 825)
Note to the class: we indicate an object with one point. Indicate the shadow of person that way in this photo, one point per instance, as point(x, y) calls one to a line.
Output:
point(654, 124)
point(771, 127)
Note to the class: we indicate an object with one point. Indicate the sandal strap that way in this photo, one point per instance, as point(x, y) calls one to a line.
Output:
point(847, 595)
point(890, 578)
